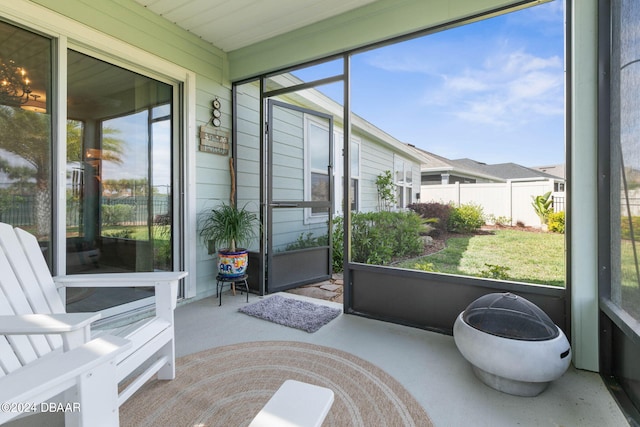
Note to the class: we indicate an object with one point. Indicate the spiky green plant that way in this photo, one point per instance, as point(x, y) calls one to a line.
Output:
point(227, 226)
point(543, 205)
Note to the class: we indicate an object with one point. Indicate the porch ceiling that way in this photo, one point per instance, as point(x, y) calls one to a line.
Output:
point(233, 24)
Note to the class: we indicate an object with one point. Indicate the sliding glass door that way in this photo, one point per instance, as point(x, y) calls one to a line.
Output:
point(119, 187)
point(116, 197)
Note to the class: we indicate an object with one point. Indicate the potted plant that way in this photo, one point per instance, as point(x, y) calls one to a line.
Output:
point(226, 227)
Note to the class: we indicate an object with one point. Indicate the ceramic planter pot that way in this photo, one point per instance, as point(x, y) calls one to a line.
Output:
point(233, 264)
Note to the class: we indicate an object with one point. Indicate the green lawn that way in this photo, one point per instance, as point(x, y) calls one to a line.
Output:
point(518, 255)
point(629, 278)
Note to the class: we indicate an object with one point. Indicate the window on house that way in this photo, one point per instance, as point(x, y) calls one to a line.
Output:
point(355, 175)
point(317, 158)
point(404, 182)
point(354, 186)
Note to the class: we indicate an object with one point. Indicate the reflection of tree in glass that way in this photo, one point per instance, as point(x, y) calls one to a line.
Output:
point(27, 134)
point(130, 187)
point(112, 147)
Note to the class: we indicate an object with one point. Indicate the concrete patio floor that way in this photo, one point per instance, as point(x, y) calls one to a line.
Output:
point(427, 364)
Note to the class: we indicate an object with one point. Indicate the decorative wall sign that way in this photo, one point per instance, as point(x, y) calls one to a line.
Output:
point(214, 141)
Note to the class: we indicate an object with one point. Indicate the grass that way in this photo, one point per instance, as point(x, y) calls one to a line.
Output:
point(629, 298)
point(519, 256)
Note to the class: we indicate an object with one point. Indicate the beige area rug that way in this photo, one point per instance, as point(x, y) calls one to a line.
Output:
point(227, 386)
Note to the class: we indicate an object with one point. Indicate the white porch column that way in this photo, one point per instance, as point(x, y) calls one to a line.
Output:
point(584, 185)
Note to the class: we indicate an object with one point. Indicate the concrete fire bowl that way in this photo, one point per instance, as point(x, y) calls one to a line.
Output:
point(513, 366)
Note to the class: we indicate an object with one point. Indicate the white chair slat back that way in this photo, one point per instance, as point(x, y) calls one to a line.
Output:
point(8, 360)
point(23, 271)
point(40, 269)
point(22, 286)
point(16, 350)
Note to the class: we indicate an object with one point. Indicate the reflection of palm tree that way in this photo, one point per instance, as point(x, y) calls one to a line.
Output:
point(112, 147)
point(27, 134)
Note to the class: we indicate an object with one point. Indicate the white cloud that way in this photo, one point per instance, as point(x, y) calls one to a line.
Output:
point(519, 62)
point(465, 83)
point(507, 89)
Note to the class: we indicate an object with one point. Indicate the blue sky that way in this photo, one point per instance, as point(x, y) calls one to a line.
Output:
point(133, 129)
point(492, 91)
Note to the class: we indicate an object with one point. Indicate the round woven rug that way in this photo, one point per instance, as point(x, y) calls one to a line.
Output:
point(227, 386)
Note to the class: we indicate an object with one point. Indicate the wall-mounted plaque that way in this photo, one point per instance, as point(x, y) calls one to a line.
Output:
point(214, 140)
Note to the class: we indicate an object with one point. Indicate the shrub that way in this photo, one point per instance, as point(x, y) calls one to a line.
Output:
point(494, 271)
point(117, 214)
point(337, 244)
point(162, 254)
point(386, 191)
point(424, 266)
point(626, 226)
point(430, 211)
point(555, 222)
point(307, 240)
point(466, 218)
point(125, 233)
point(378, 237)
point(500, 221)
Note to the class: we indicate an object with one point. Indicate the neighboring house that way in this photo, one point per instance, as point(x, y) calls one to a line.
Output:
point(503, 190)
point(558, 171)
point(437, 170)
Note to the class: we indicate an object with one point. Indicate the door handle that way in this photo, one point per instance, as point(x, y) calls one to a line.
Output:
point(283, 205)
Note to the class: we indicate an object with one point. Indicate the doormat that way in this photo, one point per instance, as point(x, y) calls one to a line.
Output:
point(291, 312)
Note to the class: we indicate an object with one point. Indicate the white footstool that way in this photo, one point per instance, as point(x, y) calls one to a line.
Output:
point(295, 404)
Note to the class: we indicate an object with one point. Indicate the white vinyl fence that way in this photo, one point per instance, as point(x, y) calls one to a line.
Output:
point(510, 200)
point(630, 203)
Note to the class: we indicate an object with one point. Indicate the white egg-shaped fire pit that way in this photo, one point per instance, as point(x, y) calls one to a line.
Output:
point(513, 346)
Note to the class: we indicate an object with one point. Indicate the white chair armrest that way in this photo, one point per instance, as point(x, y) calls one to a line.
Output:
point(28, 324)
point(120, 279)
point(74, 328)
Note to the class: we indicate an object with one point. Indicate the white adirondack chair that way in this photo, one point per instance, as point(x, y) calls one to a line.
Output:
point(152, 350)
point(32, 371)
